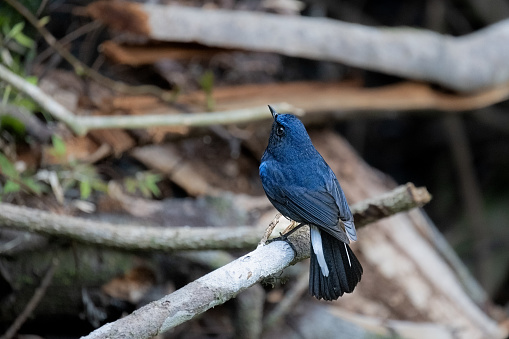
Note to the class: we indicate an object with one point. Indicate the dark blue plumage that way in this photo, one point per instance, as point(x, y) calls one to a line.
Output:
point(300, 184)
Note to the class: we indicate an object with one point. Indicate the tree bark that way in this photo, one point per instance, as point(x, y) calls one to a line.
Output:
point(469, 63)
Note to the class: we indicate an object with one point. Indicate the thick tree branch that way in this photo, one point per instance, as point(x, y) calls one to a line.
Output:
point(226, 282)
point(211, 290)
point(467, 63)
point(140, 237)
point(200, 295)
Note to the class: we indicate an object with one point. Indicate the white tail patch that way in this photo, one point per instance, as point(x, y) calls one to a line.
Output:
point(316, 241)
point(348, 255)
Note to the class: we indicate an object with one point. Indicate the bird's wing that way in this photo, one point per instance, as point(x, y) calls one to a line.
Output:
point(345, 214)
point(317, 206)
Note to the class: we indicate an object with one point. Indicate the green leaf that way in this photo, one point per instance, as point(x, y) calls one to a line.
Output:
point(130, 185)
point(6, 57)
point(16, 29)
point(32, 79)
point(207, 84)
point(44, 21)
point(5, 27)
point(33, 185)
point(59, 147)
point(26, 103)
point(85, 189)
point(80, 71)
point(11, 187)
point(15, 125)
point(7, 167)
point(99, 185)
point(207, 81)
point(23, 40)
point(151, 182)
point(7, 93)
point(144, 191)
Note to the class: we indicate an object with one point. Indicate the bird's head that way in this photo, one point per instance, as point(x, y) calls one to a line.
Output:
point(288, 137)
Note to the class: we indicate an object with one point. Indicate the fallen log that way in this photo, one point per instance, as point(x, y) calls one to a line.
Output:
point(406, 52)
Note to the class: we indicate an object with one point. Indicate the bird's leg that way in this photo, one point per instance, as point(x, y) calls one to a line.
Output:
point(284, 236)
point(269, 229)
point(289, 227)
point(286, 233)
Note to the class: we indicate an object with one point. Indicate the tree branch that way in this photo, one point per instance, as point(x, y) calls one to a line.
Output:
point(326, 97)
point(140, 237)
point(200, 295)
point(226, 282)
point(465, 64)
point(82, 124)
point(42, 99)
point(82, 69)
point(33, 126)
point(214, 288)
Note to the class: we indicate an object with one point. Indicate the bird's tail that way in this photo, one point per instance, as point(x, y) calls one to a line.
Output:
point(344, 270)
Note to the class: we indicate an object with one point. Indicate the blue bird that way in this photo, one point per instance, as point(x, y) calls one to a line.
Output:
point(300, 185)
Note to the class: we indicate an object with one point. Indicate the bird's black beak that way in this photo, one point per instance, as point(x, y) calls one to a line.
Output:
point(273, 111)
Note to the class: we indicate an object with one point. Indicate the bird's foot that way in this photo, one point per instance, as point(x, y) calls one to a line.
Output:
point(284, 236)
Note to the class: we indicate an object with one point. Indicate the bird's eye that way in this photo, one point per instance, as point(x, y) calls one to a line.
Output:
point(280, 130)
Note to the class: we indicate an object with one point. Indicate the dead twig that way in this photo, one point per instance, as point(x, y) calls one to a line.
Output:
point(269, 229)
point(32, 304)
point(85, 29)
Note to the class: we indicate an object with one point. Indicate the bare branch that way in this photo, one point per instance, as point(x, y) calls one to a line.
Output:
point(82, 124)
point(42, 99)
point(34, 126)
point(227, 281)
point(326, 97)
point(200, 295)
point(141, 237)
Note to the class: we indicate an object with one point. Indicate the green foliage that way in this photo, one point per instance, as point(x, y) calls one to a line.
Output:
point(83, 177)
point(16, 47)
point(70, 175)
point(14, 182)
point(58, 150)
point(145, 183)
point(207, 85)
point(14, 44)
point(73, 174)
point(12, 124)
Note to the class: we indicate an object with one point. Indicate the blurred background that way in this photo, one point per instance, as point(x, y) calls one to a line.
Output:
point(410, 128)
